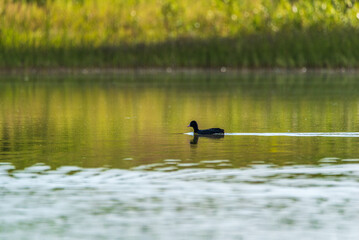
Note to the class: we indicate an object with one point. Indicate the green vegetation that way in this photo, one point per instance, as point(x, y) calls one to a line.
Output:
point(184, 33)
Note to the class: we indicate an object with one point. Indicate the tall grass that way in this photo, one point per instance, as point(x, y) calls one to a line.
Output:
point(183, 33)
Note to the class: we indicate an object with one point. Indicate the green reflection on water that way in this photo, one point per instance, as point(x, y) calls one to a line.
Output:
point(130, 120)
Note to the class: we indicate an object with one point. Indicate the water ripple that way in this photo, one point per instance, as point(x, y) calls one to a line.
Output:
point(293, 134)
point(194, 203)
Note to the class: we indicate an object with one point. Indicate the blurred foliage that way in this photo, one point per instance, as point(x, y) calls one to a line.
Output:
point(157, 33)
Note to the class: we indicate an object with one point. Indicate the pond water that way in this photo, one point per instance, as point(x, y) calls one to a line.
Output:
point(111, 157)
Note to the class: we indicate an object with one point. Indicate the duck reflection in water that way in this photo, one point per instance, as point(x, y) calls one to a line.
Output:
point(196, 137)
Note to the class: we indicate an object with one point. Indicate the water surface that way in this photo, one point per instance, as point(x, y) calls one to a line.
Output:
point(109, 157)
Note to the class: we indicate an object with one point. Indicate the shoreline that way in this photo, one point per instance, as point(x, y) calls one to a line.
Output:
point(170, 70)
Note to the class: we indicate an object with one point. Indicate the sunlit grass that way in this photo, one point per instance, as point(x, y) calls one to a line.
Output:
point(161, 33)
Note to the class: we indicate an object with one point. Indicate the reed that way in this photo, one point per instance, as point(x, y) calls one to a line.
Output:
point(184, 33)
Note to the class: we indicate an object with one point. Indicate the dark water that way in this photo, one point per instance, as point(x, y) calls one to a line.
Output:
point(106, 157)
point(102, 121)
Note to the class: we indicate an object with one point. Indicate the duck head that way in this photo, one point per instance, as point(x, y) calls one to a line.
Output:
point(194, 125)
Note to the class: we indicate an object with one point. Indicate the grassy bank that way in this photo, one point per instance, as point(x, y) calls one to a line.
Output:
point(162, 33)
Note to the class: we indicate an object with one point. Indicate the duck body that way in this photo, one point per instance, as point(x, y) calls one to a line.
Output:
point(210, 131)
